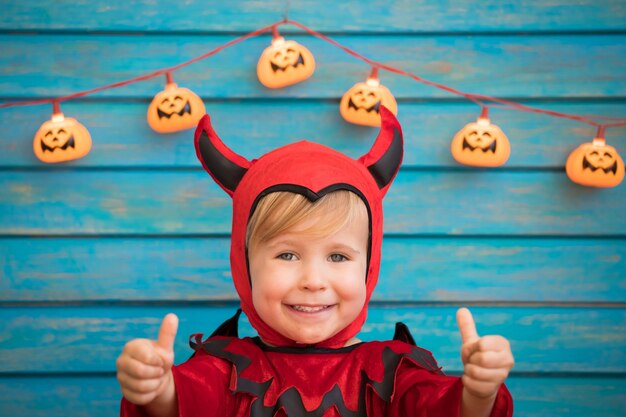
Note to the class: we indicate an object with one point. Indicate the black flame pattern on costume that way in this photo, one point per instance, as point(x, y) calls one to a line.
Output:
point(291, 399)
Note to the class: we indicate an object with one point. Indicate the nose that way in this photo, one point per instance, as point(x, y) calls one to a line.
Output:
point(312, 277)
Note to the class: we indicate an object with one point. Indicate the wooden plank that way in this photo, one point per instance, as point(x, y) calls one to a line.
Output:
point(99, 396)
point(122, 138)
point(413, 269)
point(503, 66)
point(483, 202)
point(570, 396)
point(325, 15)
point(65, 396)
point(566, 339)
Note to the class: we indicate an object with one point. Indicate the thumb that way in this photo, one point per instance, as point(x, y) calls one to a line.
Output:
point(466, 324)
point(167, 333)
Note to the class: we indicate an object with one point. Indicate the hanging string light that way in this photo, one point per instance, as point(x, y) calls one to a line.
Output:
point(61, 138)
point(361, 103)
point(481, 143)
point(595, 164)
point(175, 108)
point(50, 148)
point(284, 63)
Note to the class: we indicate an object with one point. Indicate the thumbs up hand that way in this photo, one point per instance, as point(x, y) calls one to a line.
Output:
point(487, 360)
point(144, 366)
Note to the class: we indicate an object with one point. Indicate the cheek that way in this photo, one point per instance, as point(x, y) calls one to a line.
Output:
point(352, 285)
point(265, 299)
point(353, 300)
point(269, 282)
point(266, 292)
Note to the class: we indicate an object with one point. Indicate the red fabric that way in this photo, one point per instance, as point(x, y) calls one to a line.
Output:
point(399, 384)
point(308, 165)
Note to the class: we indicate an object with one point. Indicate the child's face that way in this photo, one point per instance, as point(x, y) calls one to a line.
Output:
point(308, 288)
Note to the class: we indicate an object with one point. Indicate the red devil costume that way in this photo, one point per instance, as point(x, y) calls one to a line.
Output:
point(229, 376)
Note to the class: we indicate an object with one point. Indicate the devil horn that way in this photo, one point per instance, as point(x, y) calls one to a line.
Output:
point(225, 166)
point(384, 159)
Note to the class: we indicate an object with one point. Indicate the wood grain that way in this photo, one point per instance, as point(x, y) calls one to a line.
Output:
point(502, 66)
point(88, 339)
point(95, 252)
point(99, 396)
point(325, 15)
point(475, 202)
point(414, 269)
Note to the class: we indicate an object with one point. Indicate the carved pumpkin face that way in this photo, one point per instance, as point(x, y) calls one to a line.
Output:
point(480, 144)
point(61, 139)
point(284, 63)
point(175, 109)
point(361, 103)
point(595, 164)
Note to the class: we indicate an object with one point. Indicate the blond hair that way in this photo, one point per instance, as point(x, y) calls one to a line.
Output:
point(281, 211)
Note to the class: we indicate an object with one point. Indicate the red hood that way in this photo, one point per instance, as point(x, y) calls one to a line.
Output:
point(312, 170)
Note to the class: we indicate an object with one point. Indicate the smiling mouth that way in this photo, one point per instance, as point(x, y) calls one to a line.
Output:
point(309, 309)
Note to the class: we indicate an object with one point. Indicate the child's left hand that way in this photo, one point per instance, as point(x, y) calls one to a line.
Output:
point(487, 360)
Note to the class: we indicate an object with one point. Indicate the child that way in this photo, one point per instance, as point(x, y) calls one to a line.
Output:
point(305, 256)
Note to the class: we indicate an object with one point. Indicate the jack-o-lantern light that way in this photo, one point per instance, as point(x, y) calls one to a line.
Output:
point(284, 63)
point(61, 138)
point(481, 144)
point(361, 103)
point(595, 164)
point(175, 108)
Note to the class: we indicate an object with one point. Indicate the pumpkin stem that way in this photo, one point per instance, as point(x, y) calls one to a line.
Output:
point(168, 78)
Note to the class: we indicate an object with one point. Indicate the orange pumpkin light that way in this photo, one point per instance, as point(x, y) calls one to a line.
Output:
point(175, 108)
point(595, 164)
point(284, 63)
point(481, 144)
point(361, 103)
point(61, 139)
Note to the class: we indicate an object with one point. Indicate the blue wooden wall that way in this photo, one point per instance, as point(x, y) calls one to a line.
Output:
point(95, 252)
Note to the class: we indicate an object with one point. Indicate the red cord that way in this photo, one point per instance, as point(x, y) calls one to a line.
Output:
point(56, 107)
point(374, 73)
point(143, 77)
point(473, 97)
point(275, 33)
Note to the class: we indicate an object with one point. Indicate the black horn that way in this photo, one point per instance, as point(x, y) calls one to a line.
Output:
point(384, 158)
point(225, 166)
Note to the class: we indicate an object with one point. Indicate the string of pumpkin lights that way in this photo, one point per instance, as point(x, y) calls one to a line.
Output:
point(286, 62)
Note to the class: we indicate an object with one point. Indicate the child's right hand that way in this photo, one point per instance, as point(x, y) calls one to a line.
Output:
point(144, 369)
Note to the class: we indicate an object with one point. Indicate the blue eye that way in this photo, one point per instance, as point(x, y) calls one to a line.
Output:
point(286, 256)
point(337, 257)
